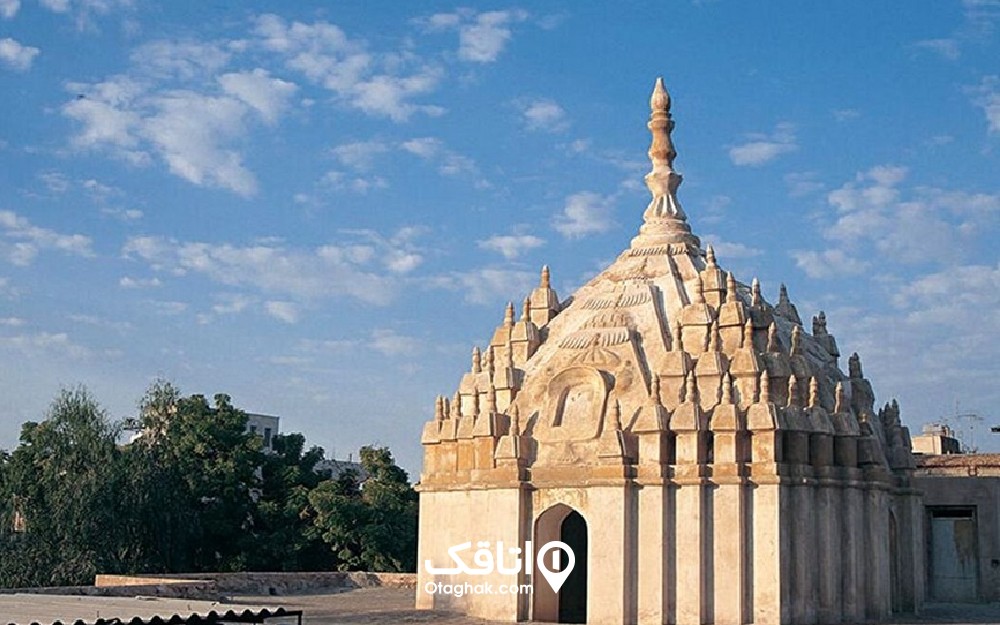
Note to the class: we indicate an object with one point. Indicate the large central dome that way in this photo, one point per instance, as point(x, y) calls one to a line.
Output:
point(699, 450)
point(664, 326)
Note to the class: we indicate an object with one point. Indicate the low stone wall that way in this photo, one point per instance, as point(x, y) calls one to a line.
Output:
point(265, 583)
point(176, 589)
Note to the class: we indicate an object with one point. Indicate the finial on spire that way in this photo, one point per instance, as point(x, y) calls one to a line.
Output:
point(730, 287)
point(690, 390)
point(710, 255)
point(699, 292)
point(773, 344)
point(713, 337)
point(840, 400)
point(783, 294)
point(765, 387)
point(665, 221)
point(654, 390)
point(814, 392)
point(793, 391)
point(439, 408)
point(491, 399)
point(796, 347)
point(490, 363)
point(727, 389)
point(819, 324)
point(456, 406)
point(662, 151)
point(854, 366)
point(445, 407)
point(546, 280)
point(515, 420)
point(526, 309)
point(508, 315)
point(475, 404)
point(477, 360)
point(748, 335)
point(755, 299)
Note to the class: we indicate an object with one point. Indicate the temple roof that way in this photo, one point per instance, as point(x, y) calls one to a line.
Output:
point(666, 324)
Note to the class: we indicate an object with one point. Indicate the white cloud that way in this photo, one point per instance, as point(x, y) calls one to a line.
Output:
point(124, 214)
point(801, 184)
point(175, 105)
point(846, 115)
point(831, 263)
point(761, 148)
point(333, 270)
point(28, 240)
point(543, 115)
point(942, 328)
point(9, 8)
point(287, 312)
point(16, 56)
point(193, 133)
point(359, 155)
point(488, 285)
point(56, 182)
point(358, 184)
point(12, 322)
point(481, 36)
point(181, 60)
point(449, 162)
point(876, 216)
point(381, 85)
point(127, 282)
point(390, 343)
point(946, 48)
point(511, 245)
point(727, 249)
point(40, 343)
point(268, 96)
point(84, 12)
point(986, 95)
point(231, 303)
point(168, 308)
point(584, 214)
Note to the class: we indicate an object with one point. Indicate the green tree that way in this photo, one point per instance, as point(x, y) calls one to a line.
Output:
point(370, 526)
point(65, 481)
point(282, 540)
point(196, 482)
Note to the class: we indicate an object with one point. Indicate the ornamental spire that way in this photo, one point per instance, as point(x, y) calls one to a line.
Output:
point(665, 221)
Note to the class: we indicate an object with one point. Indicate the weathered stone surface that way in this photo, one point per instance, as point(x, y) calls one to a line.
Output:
point(727, 470)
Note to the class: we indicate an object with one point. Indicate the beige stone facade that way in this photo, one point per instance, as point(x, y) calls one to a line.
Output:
point(723, 466)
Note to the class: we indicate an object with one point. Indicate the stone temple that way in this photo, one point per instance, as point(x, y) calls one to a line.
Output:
point(698, 448)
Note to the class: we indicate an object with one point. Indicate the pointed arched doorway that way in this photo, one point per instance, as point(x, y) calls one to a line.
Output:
point(569, 605)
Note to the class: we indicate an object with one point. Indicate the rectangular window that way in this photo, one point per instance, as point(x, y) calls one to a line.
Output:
point(267, 437)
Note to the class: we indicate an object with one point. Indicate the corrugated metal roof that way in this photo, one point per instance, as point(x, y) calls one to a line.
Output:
point(29, 609)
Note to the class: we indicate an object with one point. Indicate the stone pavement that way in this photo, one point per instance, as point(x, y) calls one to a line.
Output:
point(378, 606)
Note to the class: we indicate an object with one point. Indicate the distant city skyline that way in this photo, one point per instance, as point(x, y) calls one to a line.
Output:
point(320, 210)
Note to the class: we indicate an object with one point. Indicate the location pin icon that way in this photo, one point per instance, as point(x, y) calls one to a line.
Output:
point(555, 578)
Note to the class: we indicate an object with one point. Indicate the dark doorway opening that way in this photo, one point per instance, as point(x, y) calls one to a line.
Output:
point(573, 594)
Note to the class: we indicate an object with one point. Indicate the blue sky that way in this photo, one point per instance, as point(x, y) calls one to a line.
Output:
point(319, 208)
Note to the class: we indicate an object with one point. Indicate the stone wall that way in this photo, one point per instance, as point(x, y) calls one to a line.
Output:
point(256, 583)
point(969, 483)
point(212, 586)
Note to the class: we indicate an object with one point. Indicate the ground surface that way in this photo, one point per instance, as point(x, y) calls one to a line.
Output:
point(378, 606)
